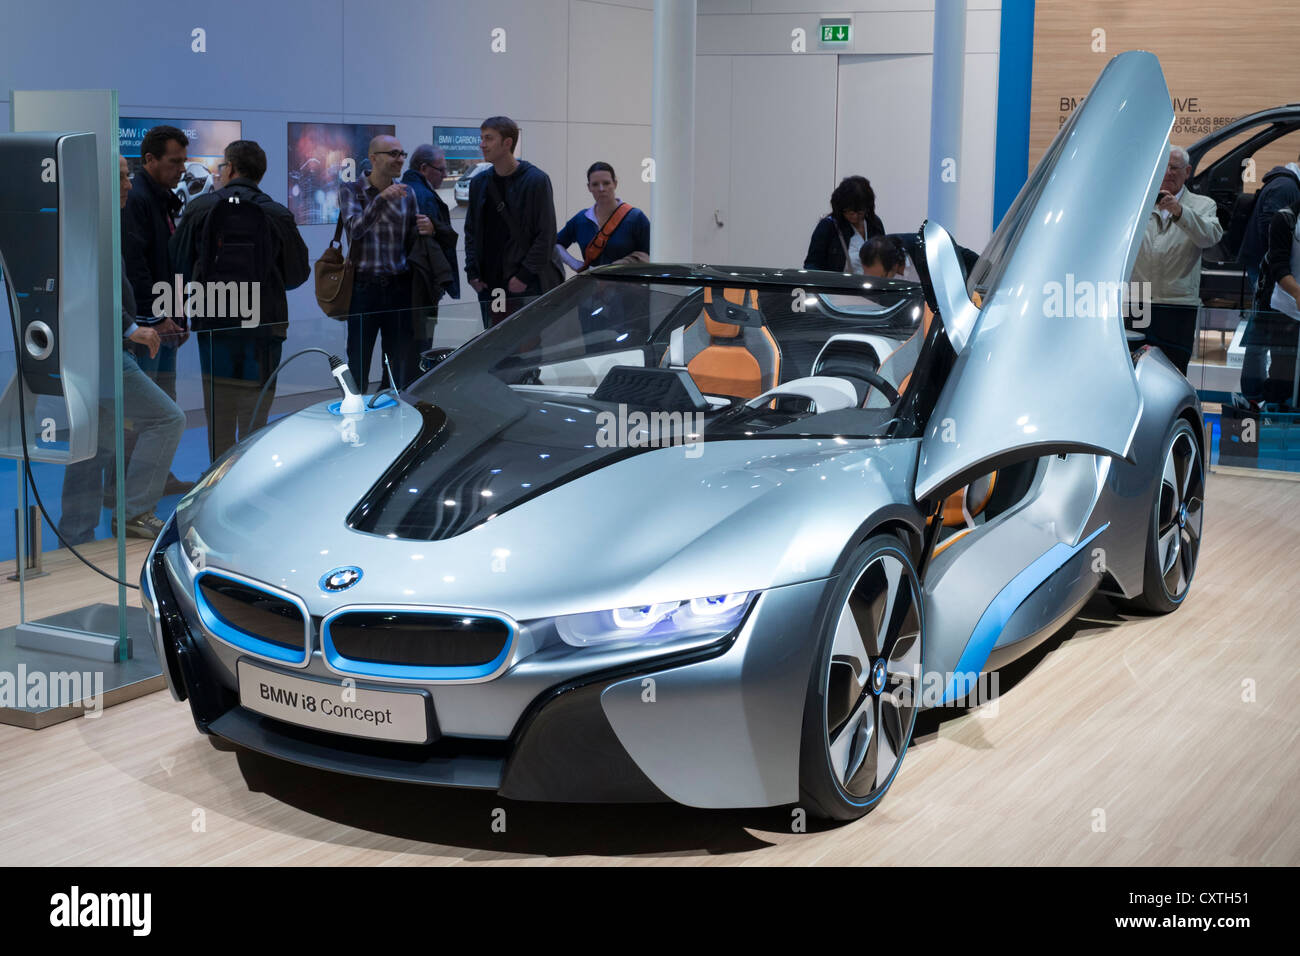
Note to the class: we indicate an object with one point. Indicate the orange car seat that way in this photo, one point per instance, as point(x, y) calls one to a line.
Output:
point(742, 361)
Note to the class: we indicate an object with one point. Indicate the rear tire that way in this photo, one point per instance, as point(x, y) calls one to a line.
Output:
point(862, 698)
point(1177, 520)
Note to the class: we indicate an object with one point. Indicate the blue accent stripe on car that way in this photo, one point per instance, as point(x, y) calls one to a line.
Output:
point(1015, 71)
point(238, 637)
point(999, 611)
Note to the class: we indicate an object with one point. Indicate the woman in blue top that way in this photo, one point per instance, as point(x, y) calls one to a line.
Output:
point(626, 239)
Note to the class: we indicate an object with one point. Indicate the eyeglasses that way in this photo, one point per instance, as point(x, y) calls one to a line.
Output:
point(436, 169)
point(221, 166)
point(395, 153)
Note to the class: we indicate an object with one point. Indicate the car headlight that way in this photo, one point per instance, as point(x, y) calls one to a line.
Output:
point(717, 614)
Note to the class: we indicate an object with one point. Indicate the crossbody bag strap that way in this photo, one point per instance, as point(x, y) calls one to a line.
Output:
point(601, 239)
point(516, 231)
point(338, 231)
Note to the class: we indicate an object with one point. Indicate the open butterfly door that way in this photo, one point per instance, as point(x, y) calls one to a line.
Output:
point(1042, 364)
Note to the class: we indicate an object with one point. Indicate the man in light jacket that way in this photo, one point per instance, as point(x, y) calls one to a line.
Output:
point(1178, 229)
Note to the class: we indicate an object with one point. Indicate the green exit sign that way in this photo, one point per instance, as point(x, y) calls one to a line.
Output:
point(836, 31)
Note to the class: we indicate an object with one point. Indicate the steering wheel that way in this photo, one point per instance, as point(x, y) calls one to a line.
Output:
point(877, 381)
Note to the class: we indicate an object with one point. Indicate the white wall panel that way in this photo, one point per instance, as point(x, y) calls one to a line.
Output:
point(422, 57)
point(713, 160)
point(884, 133)
point(610, 63)
point(782, 152)
point(978, 150)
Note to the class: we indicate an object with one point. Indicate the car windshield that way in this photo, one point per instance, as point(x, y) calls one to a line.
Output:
point(605, 368)
point(686, 346)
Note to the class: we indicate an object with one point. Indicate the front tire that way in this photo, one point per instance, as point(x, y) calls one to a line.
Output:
point(1177, 520)
point(863, 693)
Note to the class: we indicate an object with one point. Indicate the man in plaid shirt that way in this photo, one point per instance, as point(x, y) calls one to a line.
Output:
point(382, 220)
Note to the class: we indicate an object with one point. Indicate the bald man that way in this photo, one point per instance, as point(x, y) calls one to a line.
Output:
point(382, 221)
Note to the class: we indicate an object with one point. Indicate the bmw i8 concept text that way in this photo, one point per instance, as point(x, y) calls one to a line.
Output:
point(707, 534)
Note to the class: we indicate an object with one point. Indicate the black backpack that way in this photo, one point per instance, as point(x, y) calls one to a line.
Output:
point(236, 244)
point(1264, 285)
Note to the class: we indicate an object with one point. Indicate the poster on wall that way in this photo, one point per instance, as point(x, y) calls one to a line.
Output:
point(321, 156)
point(208, 139)
point(1215, 75)
point(460, 145)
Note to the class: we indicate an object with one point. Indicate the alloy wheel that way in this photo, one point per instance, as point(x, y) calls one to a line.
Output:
point(874, 677)
point(1180, 514)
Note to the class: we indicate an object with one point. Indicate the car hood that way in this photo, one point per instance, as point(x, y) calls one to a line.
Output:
point(620, 529)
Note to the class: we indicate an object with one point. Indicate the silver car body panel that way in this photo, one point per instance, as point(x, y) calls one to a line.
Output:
point(1028, 381)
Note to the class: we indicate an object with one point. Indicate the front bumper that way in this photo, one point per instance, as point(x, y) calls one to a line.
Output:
point(716, 725)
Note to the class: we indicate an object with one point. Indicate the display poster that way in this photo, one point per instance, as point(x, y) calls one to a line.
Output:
point(321, 157)
point(1219, 65)
point(460, 146)
point(208, 140)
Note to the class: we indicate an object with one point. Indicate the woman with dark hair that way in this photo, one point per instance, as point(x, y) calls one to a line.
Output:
point(608, 231)
point(838, 238)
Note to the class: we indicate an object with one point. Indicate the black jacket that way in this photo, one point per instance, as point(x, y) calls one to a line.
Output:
point(444, 235)
point(145, 234)
point(291, 266)
point(831, 238)
point(528, 196)
point(1277, 261)
point(1280, 187)
point(431, 274)
point(128, 303)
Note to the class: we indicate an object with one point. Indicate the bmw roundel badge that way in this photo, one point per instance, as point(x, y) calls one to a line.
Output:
point(340, 579)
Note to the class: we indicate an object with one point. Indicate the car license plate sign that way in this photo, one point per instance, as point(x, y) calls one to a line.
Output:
point(334, 707)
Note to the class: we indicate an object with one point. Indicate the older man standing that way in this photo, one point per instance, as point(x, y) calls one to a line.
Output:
point(434, 266)
point(382, 221)
point(1178, 229)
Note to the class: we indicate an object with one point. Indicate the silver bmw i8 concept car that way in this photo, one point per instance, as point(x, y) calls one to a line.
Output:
point(708, 534)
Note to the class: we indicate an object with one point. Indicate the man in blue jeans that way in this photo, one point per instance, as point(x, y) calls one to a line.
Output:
point(382, 220)
point(159, 425)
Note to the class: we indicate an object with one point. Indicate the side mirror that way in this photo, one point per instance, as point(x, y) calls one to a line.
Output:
point(431, 357)
point(948, 282)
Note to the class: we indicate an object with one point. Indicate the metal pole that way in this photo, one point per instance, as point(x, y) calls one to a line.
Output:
point(947, 73)
point(672, 131)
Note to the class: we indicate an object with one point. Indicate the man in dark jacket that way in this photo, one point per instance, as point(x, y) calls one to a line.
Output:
point(433, 262)
point(510, 254)
point(159, 425)
point(427, 170)
point(1268, 373)
point(148, 221)
point(1279, 187)
point(238, 353)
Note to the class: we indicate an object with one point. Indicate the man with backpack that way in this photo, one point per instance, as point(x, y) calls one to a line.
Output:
point(244, 248)
point(1277, 313)
point(1279, 188)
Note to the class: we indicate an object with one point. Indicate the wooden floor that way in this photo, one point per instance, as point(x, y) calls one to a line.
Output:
point(1142, 741)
